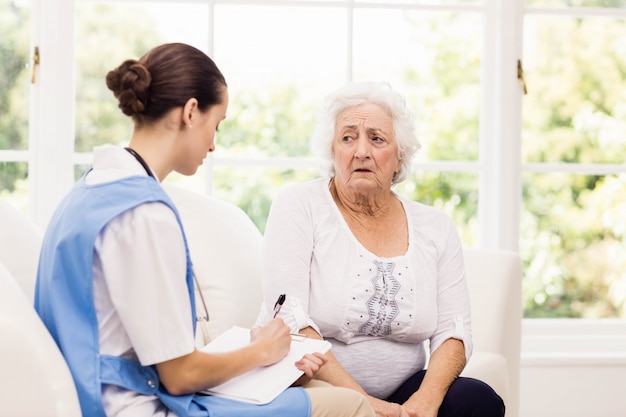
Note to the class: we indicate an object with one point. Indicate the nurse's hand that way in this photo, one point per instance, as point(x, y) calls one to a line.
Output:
point(273, 341)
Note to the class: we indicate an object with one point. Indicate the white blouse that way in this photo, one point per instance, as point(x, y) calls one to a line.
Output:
point(377, 311)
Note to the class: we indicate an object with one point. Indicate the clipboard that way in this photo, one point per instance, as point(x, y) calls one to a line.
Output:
point(261, 385)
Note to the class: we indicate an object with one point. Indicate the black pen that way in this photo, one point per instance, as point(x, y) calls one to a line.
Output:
point(279, 304)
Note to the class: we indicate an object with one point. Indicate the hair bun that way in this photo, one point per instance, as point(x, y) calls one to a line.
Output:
point(130, 83)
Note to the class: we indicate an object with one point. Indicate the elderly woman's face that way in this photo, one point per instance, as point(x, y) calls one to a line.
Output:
point(365, 151)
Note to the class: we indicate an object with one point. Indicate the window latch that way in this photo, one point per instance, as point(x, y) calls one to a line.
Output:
point(36, 60)
point(520, 76)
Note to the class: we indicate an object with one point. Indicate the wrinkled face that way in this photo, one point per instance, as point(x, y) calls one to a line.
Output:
point(365, 152)
point(201, 136)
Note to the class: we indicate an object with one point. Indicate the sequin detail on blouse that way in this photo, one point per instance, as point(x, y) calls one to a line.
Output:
point(382, 306)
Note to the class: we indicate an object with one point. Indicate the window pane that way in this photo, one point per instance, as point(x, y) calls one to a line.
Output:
point(434, 60)
point(80, 170)
point(278, 75)
point(108, 33)
point(425, 2)
point(573, 241)
point(253, 189)
point(14, 74)
point(576, 107)
point(455, 193)
point(14, 184)
point(577, 3)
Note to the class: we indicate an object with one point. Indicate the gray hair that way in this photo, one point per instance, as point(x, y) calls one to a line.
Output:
point(354, 94)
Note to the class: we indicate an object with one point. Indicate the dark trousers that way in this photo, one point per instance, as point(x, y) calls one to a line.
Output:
point(467, 397)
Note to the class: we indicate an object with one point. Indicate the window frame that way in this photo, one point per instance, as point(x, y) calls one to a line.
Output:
point(51, 155)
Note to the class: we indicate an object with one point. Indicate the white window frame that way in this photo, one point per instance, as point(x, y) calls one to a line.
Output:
point(51, 157)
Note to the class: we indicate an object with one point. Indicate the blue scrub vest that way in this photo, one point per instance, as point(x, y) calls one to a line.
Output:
point(64, 301)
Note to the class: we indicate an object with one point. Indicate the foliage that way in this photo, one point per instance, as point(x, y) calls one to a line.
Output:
point(253, 189)
point(107, 39)
point(276, 124)
point(454, 193)
point(450, 115)
point(573, 237)
point(14, 80)
point(263, 125)
point(572, 242)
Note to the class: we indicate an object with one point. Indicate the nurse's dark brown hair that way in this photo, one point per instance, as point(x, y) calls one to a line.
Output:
point(163, 79)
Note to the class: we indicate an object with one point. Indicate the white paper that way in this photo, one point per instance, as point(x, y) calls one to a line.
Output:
point(261, 385)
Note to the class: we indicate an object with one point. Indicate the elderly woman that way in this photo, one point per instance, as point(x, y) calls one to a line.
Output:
point(379, 276)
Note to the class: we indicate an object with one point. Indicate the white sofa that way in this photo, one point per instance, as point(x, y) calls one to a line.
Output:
point(20, 240)
point(35, 381)
point(220, 233)
point(495, 286)
point(225, 249)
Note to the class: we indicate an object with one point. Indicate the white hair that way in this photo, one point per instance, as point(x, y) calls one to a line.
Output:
point(354, 94)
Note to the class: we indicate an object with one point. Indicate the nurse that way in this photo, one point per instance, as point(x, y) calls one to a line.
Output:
point(115, 281)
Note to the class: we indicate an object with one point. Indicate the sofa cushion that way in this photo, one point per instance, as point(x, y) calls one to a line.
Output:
point(30, 360)
point(225, 248)
point(20, 242)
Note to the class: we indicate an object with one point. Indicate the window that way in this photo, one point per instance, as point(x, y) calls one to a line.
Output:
point(15, 78)
point(278, 77)
point(573, 147)
point(542, 172)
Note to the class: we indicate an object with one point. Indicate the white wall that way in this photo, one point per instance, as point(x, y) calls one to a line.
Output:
point(573, 390)
point(573, 368)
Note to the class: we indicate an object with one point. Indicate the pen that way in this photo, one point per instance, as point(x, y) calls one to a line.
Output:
point(279, 304)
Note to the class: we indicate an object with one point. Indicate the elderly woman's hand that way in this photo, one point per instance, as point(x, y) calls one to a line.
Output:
point(418, 406)
point(419, 413)
point(310, 364)
point(386, 409)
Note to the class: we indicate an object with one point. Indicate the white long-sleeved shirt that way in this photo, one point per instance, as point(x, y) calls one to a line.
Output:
point(376, 311)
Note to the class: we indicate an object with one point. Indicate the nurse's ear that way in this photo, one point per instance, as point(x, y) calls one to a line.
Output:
point(189, 112)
